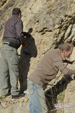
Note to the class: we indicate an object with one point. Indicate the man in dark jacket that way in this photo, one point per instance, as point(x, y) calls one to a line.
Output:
point(47, 70)
point(12, 39)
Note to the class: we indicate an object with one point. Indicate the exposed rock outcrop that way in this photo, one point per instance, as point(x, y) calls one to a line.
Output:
point(53, 22)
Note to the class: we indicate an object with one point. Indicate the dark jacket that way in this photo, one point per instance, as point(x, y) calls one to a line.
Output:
point(13, 31)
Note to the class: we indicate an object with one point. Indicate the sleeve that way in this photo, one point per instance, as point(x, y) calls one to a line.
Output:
point(19, 30)
point(66, 71)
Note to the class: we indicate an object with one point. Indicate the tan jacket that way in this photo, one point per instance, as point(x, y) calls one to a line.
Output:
point(48, 68)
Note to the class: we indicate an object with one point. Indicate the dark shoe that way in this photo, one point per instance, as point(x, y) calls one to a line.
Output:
point(18, 96)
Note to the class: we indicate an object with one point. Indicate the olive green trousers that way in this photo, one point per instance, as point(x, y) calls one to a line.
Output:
point(9, 70)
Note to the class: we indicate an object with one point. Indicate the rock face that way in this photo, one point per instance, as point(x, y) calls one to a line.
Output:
point(53, 22)
point(69, 100)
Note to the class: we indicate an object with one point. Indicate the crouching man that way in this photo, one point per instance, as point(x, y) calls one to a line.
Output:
point(52, 62)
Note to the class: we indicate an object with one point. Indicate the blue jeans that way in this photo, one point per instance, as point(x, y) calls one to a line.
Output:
point(36, 98)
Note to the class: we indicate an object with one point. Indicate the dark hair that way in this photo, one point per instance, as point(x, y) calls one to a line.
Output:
point(65, 46)
point(16, 11)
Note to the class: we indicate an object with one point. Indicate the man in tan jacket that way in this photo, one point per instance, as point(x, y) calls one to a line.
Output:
point(52, 62)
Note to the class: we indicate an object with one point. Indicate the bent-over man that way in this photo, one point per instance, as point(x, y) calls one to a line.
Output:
point(47, 70)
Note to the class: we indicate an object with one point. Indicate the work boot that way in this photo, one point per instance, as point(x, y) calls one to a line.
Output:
point(18, 96)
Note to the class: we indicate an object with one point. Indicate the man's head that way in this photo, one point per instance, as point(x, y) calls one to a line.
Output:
point(65, 49)
point(16, 11)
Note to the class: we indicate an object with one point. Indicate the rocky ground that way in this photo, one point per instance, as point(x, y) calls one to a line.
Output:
point(53, 22)
point(9, 105)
